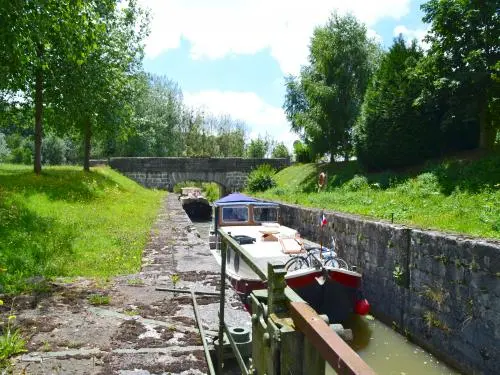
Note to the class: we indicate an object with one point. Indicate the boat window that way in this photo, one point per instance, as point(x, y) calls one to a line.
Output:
point(265, 214)
point(234, 214)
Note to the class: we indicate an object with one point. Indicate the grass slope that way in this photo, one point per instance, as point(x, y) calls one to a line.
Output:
point(454, 195)
point(70, 223)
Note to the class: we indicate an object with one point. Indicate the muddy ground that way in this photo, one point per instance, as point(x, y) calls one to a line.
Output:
point(134, 329)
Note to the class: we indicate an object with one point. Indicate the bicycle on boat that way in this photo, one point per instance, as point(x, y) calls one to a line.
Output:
point(317, 257)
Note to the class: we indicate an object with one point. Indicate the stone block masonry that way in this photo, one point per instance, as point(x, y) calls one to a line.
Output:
point(165, 173)
point(441, 290)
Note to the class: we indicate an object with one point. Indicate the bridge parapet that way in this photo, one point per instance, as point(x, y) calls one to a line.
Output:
point(165, 173)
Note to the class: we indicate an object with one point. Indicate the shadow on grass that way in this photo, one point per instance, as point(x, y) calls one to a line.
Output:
point(58, 184)
point(342, 172)
point(32, 247)
point(466, 175)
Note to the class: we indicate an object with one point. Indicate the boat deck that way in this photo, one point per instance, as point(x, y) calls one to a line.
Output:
point(264, 251)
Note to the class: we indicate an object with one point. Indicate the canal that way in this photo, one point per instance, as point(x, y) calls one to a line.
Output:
point(385, 350)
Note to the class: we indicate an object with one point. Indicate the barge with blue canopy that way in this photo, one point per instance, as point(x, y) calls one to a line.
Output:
point(195, 203)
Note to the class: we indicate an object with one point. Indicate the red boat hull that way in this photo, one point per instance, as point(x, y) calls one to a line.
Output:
point(338, 296)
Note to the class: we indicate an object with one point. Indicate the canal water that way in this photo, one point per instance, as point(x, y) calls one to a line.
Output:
point(389, 353)
point(382, 348)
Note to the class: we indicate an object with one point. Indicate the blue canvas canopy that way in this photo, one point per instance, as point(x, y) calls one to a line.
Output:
point(240, 198)
point(236, 197)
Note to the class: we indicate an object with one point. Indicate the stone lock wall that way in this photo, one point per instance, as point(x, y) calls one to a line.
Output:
point(441, 290)
point(165, 173)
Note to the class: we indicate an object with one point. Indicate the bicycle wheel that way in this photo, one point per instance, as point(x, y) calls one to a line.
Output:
point(332, 262)
point(337, 263)
point(296, 263)
point(342, 263)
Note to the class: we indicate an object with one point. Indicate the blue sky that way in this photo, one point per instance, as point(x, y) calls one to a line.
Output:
point(230, 56)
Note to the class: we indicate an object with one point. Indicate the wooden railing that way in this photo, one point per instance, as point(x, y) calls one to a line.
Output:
point(288, 336)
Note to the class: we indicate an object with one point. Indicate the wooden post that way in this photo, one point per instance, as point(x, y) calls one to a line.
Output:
point(276, 285)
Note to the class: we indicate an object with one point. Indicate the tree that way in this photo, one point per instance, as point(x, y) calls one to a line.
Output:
point(164, 126)
point(157, 117)
point(280, 151)
point(302, 153)
point(99, 100)
point(325, 102)
point(391, 130)
point(259, 147)
point(35, 38)
point(464, 39)
point(230, 135)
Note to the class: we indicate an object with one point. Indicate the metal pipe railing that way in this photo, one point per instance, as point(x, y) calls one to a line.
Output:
point(220, 354)
point(202, 334)
point(198, 292)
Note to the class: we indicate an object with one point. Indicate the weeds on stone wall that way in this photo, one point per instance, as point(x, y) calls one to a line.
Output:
point(398, 275)
point(437, 296)
point(431, 320)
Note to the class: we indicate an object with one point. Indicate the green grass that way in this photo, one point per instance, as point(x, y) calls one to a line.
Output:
point(452, 195)
point(70, 223)
point(11, 342)
point(98, 299)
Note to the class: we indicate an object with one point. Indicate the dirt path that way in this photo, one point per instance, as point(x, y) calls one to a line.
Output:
point(141, 330)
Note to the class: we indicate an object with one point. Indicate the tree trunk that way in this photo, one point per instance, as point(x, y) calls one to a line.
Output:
point(38, 120)
point(486, 130)
point(87, 137)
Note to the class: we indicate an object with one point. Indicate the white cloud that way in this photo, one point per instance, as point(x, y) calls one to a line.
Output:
point(260, 116)
point(218, 28)
point(411, 34)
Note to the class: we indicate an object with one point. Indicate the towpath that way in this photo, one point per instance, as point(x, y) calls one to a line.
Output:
point(136, 329)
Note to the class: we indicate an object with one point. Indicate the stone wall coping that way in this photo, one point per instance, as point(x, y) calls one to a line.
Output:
point(459, 237)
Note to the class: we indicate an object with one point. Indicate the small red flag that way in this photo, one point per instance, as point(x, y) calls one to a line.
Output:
point(323, 220)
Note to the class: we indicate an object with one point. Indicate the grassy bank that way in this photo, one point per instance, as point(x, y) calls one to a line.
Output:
point(70, 223)
point(455, 195)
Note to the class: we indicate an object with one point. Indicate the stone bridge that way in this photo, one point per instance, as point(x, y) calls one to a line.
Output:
point(164, 173)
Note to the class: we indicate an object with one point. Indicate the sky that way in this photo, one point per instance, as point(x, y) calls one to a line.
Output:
point(231, 56)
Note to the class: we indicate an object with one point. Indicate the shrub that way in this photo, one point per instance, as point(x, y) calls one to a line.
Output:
point(22, 153)
point(357, 183)
point(423, 186)
point(211, 191)
point(53, 150)
point(73, 151)
point(261, 179)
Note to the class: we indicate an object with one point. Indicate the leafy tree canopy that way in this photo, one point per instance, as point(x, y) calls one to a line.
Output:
point(465, 51)
point(323, 103)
